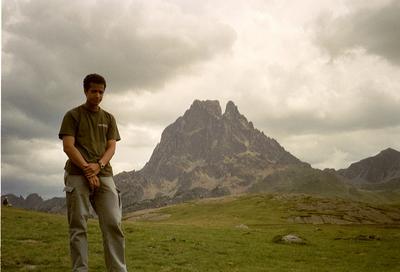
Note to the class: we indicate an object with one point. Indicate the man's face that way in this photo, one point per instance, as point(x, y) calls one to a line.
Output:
point(94, 94)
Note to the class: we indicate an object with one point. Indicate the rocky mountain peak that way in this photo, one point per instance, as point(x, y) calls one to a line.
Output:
point(203, 136)
point(235, 118)
point(231, 110)
point(210, 107)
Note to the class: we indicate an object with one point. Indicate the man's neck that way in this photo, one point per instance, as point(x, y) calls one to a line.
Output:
point(90, 107)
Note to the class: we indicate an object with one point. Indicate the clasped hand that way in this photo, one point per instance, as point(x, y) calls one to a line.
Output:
point(91, 171)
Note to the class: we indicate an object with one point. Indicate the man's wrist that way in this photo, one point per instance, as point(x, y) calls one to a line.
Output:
point(101, 164)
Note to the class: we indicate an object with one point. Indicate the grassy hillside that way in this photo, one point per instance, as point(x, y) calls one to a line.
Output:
point(227, 234)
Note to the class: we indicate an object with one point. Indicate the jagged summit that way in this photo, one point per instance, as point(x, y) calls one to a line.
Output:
point(211, 107)
point(231, 110)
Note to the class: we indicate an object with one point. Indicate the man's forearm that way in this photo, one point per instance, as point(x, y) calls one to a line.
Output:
point(109, 153)
point(107, 156)
point(75, 156)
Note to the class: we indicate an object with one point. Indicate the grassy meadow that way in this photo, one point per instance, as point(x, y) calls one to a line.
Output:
point(229, 234)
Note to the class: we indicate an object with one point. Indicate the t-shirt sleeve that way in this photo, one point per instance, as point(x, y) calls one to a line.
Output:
point(113, 133)
point(68, 125)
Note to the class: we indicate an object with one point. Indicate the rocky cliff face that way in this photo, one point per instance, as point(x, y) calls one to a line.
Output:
point(206, 153)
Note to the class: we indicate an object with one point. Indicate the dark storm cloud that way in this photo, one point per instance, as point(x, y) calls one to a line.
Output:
point(376, 30)
point(48, 46)
point(119, 41)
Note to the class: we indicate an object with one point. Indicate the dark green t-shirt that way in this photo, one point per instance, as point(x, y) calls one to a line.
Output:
point(91, 130)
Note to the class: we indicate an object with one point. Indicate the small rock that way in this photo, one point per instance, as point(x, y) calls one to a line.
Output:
point(242, 226)
point(289, 239)
point(292, 239)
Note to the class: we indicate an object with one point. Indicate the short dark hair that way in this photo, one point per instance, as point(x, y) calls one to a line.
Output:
point(93, 78)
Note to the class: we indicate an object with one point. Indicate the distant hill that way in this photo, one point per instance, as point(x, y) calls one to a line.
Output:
point(379, 174)
point(36, 202)
point(381, 168)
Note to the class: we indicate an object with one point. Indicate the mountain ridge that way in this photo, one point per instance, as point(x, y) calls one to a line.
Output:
point(209, 153)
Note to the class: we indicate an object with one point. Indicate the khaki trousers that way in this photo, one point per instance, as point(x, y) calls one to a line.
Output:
point(107, 204)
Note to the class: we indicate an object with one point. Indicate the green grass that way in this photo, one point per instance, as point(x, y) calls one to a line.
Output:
point(202, 236)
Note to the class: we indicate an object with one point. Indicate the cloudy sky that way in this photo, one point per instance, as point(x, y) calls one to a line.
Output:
point(321, 77)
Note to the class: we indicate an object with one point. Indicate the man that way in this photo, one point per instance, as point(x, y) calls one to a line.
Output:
point(89, 136)
point(5, 202)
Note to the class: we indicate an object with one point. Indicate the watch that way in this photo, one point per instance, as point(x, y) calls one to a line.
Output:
point(101, 164)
